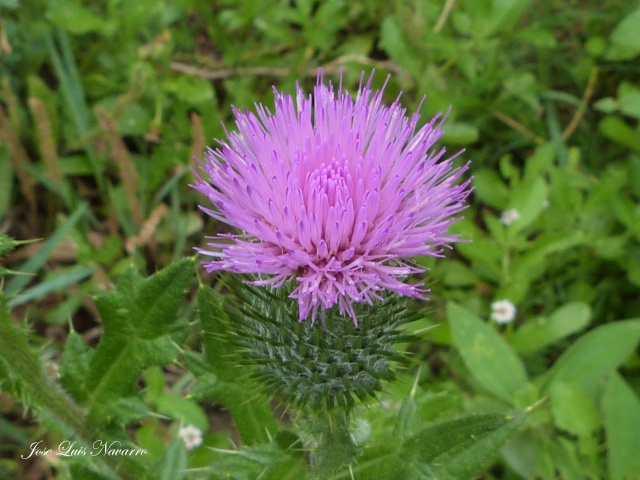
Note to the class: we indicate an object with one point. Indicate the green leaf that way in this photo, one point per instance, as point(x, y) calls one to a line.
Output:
point(594, 355)
point(174, 464)
point(488, 356)
point(627, 32)
point(378, 462)
point(540, 161)
point(74, 369)
point(42, 255)
point(460, 133)
point(615, 128)
point(460, 448)
point(6, 180)
point(56, 281)
point(573, 410)
point(490, 188)
point(538, 333)
point(215, 324)
point(393, 41)
point(529, 199)
point(183, 409)
point(138, 316)
point(73, 17)
point(10, 4)
point(251, 412)
point(621, 408)
point(407, 421)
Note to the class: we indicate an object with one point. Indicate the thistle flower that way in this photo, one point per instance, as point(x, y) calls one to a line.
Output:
point(332, 192)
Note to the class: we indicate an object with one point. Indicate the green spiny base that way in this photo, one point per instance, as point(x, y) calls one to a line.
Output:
point(325, 366)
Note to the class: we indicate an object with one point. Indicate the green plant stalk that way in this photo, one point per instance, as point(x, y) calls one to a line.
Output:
point(43, 393)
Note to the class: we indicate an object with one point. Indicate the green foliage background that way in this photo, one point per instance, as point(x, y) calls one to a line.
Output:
point(103, 106)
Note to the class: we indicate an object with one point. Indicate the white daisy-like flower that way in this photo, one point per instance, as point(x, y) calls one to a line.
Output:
point(191, 436)
point(509, 216)
point(503, 311)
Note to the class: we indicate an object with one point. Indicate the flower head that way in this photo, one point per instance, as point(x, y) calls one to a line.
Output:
point(503, 311)
point(333, 192)
point(191, 436)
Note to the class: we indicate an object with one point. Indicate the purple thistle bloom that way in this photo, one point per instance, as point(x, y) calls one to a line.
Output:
point(333, 192)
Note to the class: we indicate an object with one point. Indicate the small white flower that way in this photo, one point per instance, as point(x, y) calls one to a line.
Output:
point(509, 216)
point(503, 311)
point(362, 431)
point(191, 436)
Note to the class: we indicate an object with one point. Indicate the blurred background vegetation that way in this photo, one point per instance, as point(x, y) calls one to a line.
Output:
point(104, 105)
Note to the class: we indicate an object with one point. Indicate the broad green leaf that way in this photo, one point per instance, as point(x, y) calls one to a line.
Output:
point(490, 188)
point(621, 409)
point(393, 41)
point(251, 411)
point(73, 17)
point(573, 410)
point(174, 464)
point(615, 128)
point(627, 32)
point(594, 355)
point(457, 274)
point(460, 133)
point(540, 332)
point(487, 355)
point(529, 200)
point(183, 409)
point(461, 447)
point(138, 316)
point(540, 161)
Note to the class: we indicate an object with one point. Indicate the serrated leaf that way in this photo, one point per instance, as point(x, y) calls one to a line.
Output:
point(74, 368)
point(290, 468)
point(460, 448)
point(377, 462)
point(220, 355)
point(538, 333)
point(594, 355)
point(138, 316)
point(621, 408)
point(487, 355)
